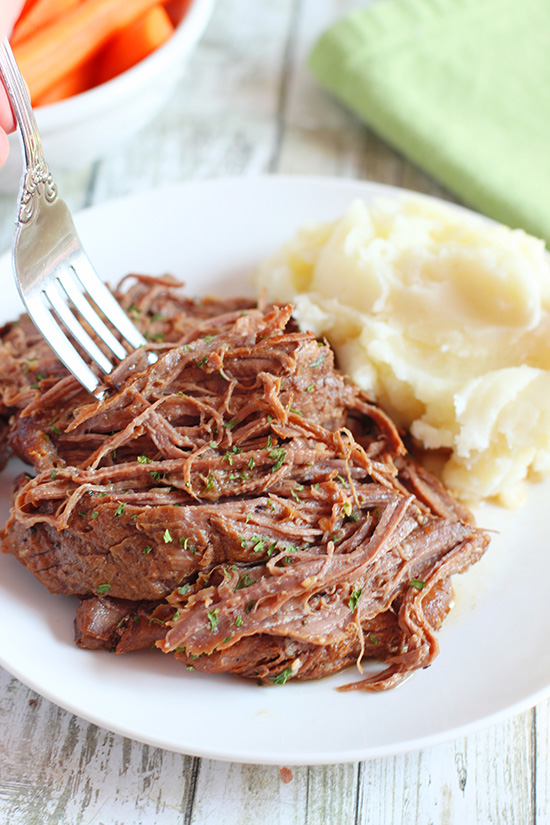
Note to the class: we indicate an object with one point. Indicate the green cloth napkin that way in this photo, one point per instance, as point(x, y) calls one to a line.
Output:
point(461, 87)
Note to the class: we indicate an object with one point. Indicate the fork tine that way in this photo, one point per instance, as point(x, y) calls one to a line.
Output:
point(61, 345)
point(67, 280)
point(99, 293)
point(55, 297)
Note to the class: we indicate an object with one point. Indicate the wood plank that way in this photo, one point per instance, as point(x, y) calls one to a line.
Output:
point(248, 794)
point(57, 768)
point(485, 777)
point(223, 118)
point(541, 748)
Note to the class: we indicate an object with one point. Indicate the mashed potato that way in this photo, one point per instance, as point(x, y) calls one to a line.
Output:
point(445, 319)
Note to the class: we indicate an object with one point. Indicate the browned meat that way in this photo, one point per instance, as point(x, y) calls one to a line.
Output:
point(238, 504)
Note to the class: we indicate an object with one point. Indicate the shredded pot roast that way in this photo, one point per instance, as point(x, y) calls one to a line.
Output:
point(237, 504)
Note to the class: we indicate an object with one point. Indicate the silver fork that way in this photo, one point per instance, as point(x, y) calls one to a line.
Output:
point(54, 275)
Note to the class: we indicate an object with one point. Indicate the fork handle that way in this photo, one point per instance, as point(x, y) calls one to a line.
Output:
point(37, 173)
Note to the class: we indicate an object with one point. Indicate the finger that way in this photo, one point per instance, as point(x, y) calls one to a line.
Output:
point(4, 147)
point(7, 121)
point(10, 12)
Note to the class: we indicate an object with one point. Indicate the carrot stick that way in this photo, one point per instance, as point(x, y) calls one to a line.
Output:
point(42, 12)
point(135, 43)
point(26, 6)
point(77, 81)
point(65, 44)
point(177, 9)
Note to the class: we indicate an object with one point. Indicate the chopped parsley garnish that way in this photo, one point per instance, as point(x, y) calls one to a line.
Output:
point(134, 311)
point(120, 509)
point(147, 549)
point(317, 362)
point(103, 588)
point(244, 581)
point(213, 618)
point(239, 621)
point(155, 336)
point(373, 640)
point(53, 474)
point(279, 455)
point(418, 583)
point(143, 459)
point(202, 362)
point(283, 677)
point(230, 424)
point(183, 590)
point(310, 388)
point(94, 515)
point(167, 536)
point(209, 482)
point(176, 615)
point(354, 598)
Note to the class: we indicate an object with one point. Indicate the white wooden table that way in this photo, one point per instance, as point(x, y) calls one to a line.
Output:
point(248, 105)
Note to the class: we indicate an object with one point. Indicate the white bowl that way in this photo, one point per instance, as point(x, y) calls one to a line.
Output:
point(84, 128)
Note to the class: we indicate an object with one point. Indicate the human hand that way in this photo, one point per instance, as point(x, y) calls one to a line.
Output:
point(11, 9)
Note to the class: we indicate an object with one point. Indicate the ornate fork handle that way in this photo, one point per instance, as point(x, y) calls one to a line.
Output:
point(37, 180)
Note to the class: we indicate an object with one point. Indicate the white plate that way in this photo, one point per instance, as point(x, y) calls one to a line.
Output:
point(495, 657)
